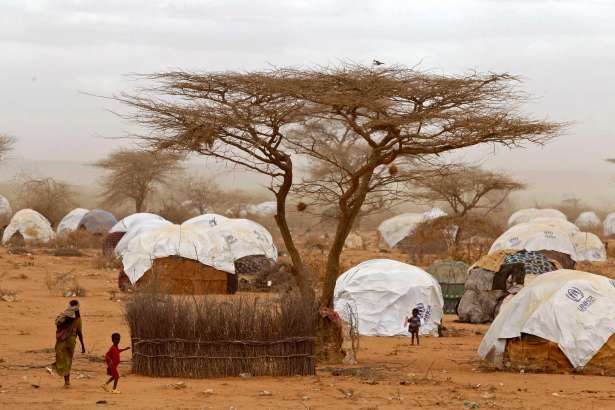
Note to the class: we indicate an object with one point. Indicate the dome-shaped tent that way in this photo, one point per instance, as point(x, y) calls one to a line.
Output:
point(608, 225)
point(263, 209)
point(527, 215)
point(71, 220)
point(134, 220)
point(170, 248)
point(31, 225)
point(395, 229)
point(209, 220)
point(589, 247)
point(98, 221)
point(563, 320)
point(383, 293)
point(122, 244)
point(535, 237)
point(5, 212)
point(588, 221)
point(557, 223)
point(246, 238)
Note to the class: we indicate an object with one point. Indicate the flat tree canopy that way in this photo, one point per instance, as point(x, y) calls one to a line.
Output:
point(382, 118)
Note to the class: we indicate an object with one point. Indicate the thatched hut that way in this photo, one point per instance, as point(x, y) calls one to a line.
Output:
point(561, 322)
point(180, 259)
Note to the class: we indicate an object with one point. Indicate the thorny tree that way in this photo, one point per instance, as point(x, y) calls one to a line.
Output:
point(471, 193)
point(6, 145)
point(393, 114)
point(134, 174)
point(51, 198)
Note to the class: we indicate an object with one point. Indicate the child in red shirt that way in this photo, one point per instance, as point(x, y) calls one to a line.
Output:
point(112, 358)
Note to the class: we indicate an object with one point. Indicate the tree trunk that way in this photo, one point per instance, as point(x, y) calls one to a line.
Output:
point(139, 204)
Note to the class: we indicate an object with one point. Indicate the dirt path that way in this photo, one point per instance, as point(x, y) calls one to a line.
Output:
point(442, 373)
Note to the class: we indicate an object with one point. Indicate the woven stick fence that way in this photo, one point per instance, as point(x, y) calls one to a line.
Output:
point(220, 336)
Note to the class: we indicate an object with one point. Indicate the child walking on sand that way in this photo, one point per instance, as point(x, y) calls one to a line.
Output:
point(112, 358)
point(414, 324)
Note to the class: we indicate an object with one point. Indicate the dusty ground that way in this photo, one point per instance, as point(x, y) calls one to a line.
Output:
point(441, 373)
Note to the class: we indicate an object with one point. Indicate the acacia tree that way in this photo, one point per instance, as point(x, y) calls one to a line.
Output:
point(6, 145)
point(134, 174)
point(51, 198)
point(262, 120)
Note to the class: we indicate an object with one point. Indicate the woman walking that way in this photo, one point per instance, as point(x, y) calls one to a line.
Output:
point(68, 328)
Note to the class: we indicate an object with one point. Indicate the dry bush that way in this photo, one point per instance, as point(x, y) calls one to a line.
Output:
point(104, 261)
point(175, 212)
point(79, 239)
point(218, 336)
point(64, 284)
point(51, 198)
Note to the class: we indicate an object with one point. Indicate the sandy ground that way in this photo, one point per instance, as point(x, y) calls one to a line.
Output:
point(442, 373)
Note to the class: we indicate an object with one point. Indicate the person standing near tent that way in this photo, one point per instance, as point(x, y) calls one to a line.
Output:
point(68, 329)
point(414, 324)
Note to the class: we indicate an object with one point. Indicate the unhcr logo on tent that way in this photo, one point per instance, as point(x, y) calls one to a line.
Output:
point(575, 294)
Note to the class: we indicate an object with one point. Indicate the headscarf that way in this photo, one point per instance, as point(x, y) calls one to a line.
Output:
point(69, 313)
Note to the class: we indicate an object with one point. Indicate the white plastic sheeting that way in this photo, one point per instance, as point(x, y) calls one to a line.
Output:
point(589, 247)
point(268, 208)
point(245, 238)
point(72, 220)
point(186, 241)
point(573, 309)
point(535, 237)
point(134, 220)
point(395, 229)
point(210, 220)
point(5, 211)
point(588, 220)
point(561, 224)
point(526, 215)
point(608, 225)
point(149, 225)
point(383, 292)
point(32, 226)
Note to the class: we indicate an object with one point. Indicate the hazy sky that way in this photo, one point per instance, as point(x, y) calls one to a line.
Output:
point(51, 51)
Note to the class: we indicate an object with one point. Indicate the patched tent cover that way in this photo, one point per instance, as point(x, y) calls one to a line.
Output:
point(608, 225)
point(383, 293)
point(395, 229)
point(535, 237)
point(246, 238)
point(588, 220)
point(5, 211)
point(526, 215)
point(134, 220)
point(209, 220)
point(575, 310)
point(31, 225)
point(186, 241)
point(98, 221)
point(72, 220)
point(589, 247)
point(122, 245)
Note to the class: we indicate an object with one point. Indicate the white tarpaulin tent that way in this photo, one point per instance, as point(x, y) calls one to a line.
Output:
point(588, 220)
point(383, 293)
point(72, 220)
point(573, 309)
point(186, 241)
point(268, 208)
point(245, 238)
point(561, 224)
point(395, 229)
point(589, 247)
point(122, 245)
point(134, 220)
point(535, 237)
point(31, 225)
point(210, 220)
point(608, 225)
point(526, 215)
point(5, 211)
